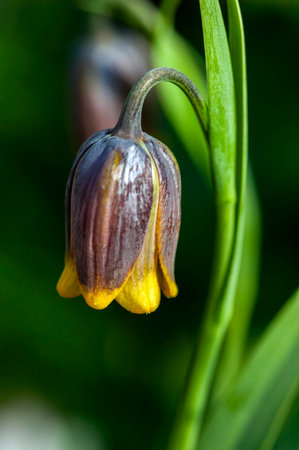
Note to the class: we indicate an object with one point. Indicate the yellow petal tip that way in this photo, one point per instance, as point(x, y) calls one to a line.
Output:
point(168, 285)
point(67, 285)
point(99, 299)
point(141, 296)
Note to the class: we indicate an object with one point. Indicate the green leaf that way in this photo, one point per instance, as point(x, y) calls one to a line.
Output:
point(283, 411)
point(222, 135)
point(222, 144)
point(221, 101)
point(248, 244)
point(238, 58)
point(251, 414)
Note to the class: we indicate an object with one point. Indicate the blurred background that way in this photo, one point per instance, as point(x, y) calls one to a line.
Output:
point(72, 377)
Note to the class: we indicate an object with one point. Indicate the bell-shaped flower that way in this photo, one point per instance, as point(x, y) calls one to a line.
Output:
point(122, 218)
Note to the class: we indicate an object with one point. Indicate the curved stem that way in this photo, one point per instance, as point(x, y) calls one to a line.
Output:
point(219, 301)
point(129, 123)
point(222, 295)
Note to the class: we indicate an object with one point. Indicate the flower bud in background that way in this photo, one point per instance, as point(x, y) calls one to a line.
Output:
point(104, 68)
point(123, 219)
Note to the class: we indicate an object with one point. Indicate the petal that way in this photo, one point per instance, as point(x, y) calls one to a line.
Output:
point(82, 150)
point(99, 298)
point(169, 212)
point(68, 285)
point(111, 203)
point(141, 293)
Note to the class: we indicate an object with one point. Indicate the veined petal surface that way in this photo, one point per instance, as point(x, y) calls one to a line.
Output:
point(84, 148)
point(169, 212)
point(141, 293)
point(111, 203)
point(68, 285)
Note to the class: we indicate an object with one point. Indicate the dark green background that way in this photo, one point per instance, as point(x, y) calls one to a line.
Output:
point(122, 373)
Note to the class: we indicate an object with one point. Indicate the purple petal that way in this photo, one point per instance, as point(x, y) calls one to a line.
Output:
point(82, 150)
point(169, 212)
point(111, 202)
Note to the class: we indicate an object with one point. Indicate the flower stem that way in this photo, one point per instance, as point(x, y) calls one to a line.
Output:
point(221, 294)
point(229, 229)
point(208, 344)
point(129, 123)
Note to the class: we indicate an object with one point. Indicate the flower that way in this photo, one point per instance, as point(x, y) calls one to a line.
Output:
point(122, 220)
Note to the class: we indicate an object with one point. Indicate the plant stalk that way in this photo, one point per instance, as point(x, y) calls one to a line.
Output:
point(129, 123)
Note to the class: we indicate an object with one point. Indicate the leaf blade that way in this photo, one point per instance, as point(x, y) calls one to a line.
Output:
point(245, 413)
point(250, 234)
point(221, 101)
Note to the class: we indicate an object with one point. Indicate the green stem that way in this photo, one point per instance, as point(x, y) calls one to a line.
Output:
point(205, 356)
point(233, 352)
point(129, 124)
point(218, 314)
point(229, 231)
point(209, 342)
point(225, 228)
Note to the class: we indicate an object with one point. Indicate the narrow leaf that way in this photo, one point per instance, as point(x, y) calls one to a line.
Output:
point(251, 408)
point(222, 119)
point(247, 283)
point(222, 144)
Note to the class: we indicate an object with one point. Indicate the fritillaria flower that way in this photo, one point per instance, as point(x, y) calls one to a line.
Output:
point(123, 209)
point(122, 219)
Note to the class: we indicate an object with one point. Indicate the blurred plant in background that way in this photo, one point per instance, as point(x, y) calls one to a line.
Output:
point(123, 375)
point(104, 67)
point(29, 424)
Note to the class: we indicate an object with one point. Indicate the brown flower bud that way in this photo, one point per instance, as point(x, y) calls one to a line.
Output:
point(123, 219)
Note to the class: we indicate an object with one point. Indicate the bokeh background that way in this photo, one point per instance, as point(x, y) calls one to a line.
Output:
point(76, 378)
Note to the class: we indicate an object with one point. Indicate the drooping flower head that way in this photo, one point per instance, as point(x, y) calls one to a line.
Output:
point(122, 218)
